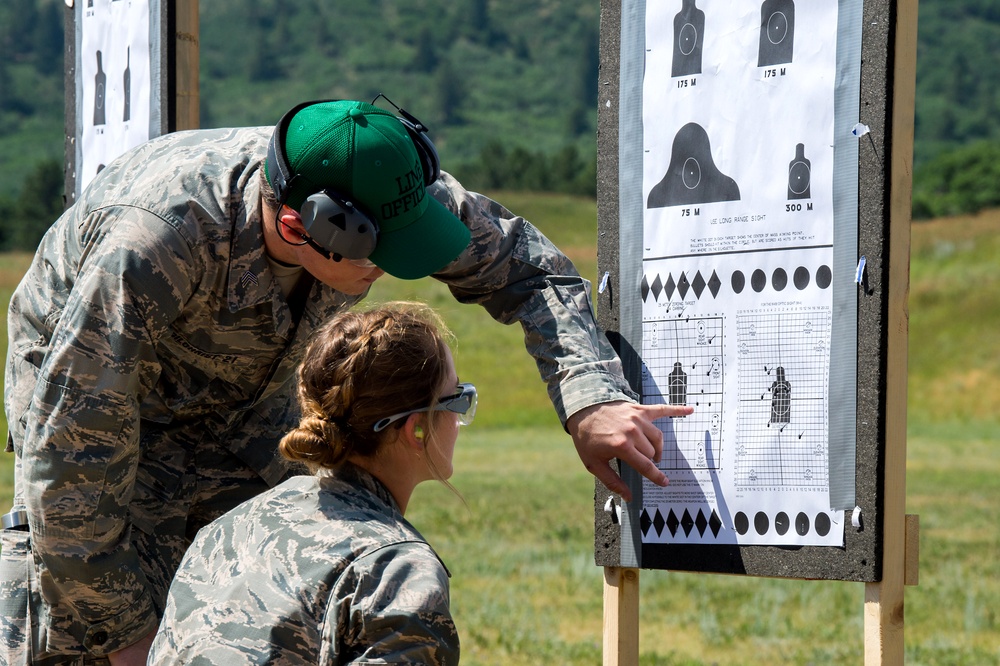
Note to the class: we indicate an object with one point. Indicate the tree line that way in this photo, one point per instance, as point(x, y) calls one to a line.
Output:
point(509, 90)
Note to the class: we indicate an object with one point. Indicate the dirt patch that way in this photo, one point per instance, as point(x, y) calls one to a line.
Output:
point(924, 235)
point(974, 393)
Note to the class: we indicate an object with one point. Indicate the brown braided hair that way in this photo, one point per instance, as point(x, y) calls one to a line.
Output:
point(363, 366)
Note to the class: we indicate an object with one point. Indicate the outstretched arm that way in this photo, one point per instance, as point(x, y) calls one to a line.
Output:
point(622, 430)
point(518, 275)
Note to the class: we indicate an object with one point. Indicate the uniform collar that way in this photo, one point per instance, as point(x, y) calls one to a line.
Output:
point(251, 282)
point(356, 476)
point(351, 473)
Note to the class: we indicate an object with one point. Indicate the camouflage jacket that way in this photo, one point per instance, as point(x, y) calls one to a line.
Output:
point(150, 320)
point(315, 571)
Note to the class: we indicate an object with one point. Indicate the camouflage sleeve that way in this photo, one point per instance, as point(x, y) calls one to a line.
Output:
point(82, 429)
point(517, 274)
point(395, 610)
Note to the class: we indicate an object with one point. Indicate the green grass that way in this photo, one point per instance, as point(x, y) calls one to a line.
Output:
point(954, 319)
point(525, 589)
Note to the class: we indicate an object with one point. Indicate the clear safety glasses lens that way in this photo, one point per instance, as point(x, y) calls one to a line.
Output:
point(361, 263)
point(463, 402)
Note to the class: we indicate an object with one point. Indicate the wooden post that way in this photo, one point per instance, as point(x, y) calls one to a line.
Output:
point(186, 43)
point(621, 616)
point(884, 599)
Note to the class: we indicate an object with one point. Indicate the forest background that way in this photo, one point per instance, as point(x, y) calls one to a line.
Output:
point(508, 88)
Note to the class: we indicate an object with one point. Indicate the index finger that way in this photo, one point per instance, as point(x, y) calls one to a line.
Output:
point(659, 411)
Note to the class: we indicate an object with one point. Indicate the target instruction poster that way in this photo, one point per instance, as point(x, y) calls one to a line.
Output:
point(114, 99)
point(738, 123)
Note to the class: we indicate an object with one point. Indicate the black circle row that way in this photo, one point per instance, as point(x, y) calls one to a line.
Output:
point(779, 279)
point(762, 524)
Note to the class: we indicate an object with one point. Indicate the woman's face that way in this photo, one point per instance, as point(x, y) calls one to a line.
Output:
point(444, 431)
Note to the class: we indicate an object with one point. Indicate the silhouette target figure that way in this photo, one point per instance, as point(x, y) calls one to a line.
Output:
point(777, 32)
point(692, 176)
point(781, 398)
point(799, 170)
point(677, 383)
point(100, 83)
point(689, 30)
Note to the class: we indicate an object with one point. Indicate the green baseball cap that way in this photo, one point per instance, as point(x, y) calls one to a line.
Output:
point(365, 153)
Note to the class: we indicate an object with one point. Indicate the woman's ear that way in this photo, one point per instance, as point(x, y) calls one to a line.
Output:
point(414, 431)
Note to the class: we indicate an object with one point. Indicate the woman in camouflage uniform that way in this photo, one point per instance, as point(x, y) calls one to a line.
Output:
point(324, 569)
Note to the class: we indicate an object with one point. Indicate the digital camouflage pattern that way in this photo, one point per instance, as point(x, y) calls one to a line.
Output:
point(315, 571)
point(151, 364)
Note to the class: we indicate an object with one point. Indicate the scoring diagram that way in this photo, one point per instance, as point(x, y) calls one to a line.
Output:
point(783, 369)
point(687, 353)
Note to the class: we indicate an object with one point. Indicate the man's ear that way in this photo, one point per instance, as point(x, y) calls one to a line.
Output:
point(291, 220)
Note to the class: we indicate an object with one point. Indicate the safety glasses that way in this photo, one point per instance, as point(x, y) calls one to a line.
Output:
point(462, 402)
point(361, 263)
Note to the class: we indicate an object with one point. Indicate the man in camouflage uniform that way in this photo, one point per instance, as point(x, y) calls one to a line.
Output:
point(152, 347)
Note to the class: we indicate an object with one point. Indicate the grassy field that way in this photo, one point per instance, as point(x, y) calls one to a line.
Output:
point(525, 589)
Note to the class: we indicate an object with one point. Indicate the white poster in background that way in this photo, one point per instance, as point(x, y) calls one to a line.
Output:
point(114, 61)
point(738, 121)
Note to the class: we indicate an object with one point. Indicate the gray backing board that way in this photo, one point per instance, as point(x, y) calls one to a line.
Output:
point(617, 541)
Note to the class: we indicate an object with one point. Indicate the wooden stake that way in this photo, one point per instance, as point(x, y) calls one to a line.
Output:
point(621, 616)
point(186, 42)
point(884, 599)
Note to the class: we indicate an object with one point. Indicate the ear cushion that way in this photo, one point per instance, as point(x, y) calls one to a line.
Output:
point(339, 226)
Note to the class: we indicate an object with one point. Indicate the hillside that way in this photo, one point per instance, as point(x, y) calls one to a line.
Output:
point(958, 75)
point(521, 70)
point(481, 73)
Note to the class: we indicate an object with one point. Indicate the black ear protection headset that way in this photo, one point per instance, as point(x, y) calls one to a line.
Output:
point(337, 228)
